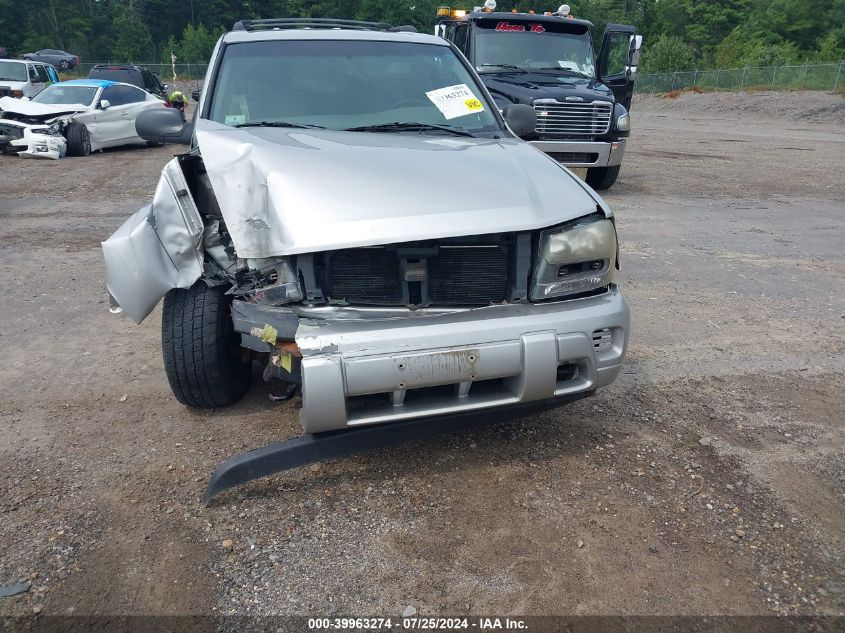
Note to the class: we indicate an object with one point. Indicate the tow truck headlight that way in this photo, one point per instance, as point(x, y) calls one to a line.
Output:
point(575, 258)
point(623, 123)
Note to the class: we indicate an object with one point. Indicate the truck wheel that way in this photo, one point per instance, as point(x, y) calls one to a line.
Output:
point(202, 354)
point(78, 139)
point(602, 177)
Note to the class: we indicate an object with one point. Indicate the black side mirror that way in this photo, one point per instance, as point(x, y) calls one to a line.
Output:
point(164, 125)
point(521, 118)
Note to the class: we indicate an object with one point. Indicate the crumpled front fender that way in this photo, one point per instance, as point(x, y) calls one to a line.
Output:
point(158, 248)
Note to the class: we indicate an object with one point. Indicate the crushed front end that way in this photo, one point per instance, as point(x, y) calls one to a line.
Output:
point(389, 330)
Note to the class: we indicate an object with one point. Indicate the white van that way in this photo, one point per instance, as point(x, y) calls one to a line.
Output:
point(23, 78)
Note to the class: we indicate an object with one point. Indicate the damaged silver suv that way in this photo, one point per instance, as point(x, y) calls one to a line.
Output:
point(357, 215)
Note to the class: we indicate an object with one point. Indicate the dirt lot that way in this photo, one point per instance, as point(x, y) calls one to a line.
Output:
point(709, 479)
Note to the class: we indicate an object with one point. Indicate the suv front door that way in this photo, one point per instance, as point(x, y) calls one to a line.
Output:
point(617, 61)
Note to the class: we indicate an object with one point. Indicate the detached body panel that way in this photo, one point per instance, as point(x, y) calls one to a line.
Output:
point(156, 249)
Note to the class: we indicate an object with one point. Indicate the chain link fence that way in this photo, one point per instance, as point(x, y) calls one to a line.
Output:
point(798, 77)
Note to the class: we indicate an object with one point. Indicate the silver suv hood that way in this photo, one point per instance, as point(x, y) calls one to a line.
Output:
point(284, 191)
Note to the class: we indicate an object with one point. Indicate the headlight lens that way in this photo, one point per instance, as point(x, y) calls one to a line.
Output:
point(52, 130)
point(575, 258)
point(277, 281)
point(623, 123)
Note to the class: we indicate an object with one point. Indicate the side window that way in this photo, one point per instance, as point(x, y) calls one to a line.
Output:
point(133, 95)
point(33, 74)
point(149, 80)
point(617, 57)
point(122, 95)
point(51, 72)
point(460, 38)
point(42, 74)
point(111, 95)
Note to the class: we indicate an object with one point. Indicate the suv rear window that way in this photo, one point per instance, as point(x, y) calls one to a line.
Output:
point(123, 75)
point(12, 71)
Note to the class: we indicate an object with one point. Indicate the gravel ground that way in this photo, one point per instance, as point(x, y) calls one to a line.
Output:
point(709, 479)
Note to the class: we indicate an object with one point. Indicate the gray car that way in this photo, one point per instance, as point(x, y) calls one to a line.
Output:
point(357, 215)
point(60, 59)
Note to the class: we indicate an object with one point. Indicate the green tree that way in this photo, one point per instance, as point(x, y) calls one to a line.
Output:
point(668, 54)
point(132, 41)
point(197, 44)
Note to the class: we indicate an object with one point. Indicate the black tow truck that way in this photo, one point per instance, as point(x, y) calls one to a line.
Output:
point(547, 61)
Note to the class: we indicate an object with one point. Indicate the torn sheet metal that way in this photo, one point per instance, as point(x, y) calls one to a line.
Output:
point(157, 248)
point(286, 191)
point(35, 145)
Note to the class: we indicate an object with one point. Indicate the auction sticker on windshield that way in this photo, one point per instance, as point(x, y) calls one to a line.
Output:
point(455, 101)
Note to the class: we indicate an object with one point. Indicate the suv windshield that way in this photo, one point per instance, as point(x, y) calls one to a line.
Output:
point(12, 71)
point(345, 84)
point(500, 45)
point(66, 95)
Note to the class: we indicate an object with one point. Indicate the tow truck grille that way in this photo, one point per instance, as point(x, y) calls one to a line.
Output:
point(572, 119)
point(469, 275)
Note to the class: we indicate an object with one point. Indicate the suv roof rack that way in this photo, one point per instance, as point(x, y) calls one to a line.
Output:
point(316, 23)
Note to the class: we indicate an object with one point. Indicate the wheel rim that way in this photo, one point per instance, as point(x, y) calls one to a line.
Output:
point(86, 141)
point(64, 65)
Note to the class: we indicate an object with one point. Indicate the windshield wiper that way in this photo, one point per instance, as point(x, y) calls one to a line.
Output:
point(558, 69)
point(508, 66)
point(410, 127)
point(279, 124)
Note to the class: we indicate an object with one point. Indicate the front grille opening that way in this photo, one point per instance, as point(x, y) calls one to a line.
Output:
point(365, 275)
point(567, 371)
point(435, 394)
point(468, 275)
point(556, 119)
point(602, 340)
point(574, 157)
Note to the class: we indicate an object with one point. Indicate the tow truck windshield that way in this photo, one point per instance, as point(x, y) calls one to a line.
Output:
point(350, 85)
point(522, 45)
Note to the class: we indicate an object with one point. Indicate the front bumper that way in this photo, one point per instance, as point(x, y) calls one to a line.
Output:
point(366, 370)
point(584, 154)
point(28, 144)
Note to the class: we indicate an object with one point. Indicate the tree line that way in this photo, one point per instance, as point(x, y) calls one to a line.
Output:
point(678, 34)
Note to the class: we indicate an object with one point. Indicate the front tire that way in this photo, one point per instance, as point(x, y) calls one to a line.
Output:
point(78, 139)
point(600, 178)
point(64, 65)
point(202, 354)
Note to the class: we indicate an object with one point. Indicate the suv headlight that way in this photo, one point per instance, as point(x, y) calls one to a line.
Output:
point(276, 281)
point(575, 258)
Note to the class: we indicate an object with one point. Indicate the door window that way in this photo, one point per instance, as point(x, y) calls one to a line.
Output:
point(33, 74)
point(133, 95)
point(42, 74)
point(461, 37)
point(617, 54)
point(122, 95)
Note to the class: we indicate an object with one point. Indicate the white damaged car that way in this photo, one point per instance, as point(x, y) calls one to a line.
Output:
point(73, 117)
